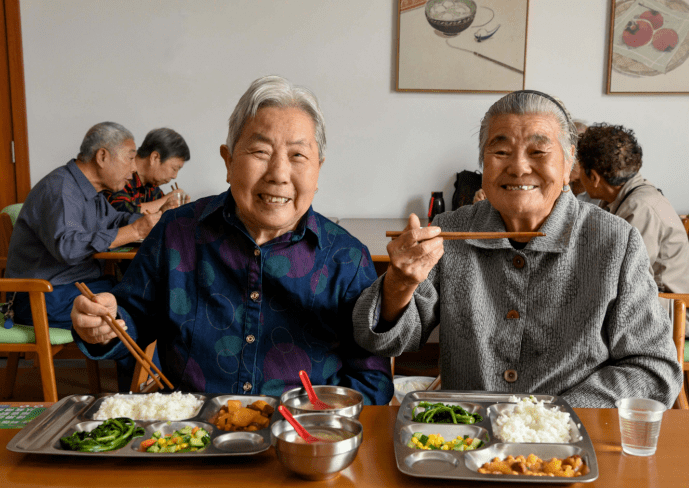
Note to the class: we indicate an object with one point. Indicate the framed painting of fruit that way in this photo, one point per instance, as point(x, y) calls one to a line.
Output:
point(476, 46)
point(649, 47)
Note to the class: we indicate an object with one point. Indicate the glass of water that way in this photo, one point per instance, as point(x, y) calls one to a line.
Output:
point(640, 425)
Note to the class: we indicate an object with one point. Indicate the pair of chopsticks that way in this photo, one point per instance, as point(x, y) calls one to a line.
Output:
point(475, 235)
point(435, 384)
point(175, 186)
point(133, 347)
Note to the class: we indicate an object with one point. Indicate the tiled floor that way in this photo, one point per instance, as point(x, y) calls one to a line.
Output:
point(70, 375)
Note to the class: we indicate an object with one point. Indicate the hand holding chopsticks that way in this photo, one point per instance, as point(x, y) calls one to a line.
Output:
point(133, 347)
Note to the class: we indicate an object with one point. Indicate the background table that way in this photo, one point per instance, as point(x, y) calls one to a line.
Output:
point(374, 465)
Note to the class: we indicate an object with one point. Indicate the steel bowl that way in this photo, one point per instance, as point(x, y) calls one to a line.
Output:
point(318, 461)
point(297, 401)
point(451, 28)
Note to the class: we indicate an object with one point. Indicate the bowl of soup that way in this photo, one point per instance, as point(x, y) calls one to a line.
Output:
point(345, 401)
point(450, 17)
point(320, 460)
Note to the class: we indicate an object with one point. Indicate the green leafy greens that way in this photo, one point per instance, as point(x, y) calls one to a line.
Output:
point(110, 435)
point(439, 413)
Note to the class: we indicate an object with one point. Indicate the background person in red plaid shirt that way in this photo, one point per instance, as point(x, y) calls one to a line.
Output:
point(158, 160)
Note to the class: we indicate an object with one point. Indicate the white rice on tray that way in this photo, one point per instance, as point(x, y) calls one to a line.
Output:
point(530, 421)
point(151, 406)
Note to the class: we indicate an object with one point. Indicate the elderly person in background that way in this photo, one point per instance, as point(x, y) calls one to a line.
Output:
point(244, 289)
point(575, 176)
point(158, 160)
point(574, 313)
point(65, 221)
point(610, 157)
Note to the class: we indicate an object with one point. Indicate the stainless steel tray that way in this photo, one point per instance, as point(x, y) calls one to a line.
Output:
point(76, 412)
point(458, 465)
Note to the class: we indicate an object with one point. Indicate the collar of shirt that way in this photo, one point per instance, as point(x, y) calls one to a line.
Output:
point(86, 187)
point(223, 206)
point(630, 185)
point(557, 226)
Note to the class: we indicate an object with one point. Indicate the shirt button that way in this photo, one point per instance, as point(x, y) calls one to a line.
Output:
point(250, 339)
point(254, 296)
point(510, 376)
point(247, 386)
point(512, 314)
point(518, 261)
point(257, 252)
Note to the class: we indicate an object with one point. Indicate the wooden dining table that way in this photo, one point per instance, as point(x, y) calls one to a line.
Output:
point(374, 466)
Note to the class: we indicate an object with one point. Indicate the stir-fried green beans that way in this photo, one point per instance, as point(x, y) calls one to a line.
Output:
point(110, 435)
point(439, 413)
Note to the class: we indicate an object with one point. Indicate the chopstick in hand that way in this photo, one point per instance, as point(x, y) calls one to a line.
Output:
point(475, 235)
point(133, 347)
point(175, 186)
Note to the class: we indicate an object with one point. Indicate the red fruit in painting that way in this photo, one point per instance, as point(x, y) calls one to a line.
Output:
point(654, 17)
point(637, 33)
point(665, 39)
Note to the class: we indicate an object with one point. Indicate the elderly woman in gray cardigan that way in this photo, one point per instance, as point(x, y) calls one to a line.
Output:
point(574, 313)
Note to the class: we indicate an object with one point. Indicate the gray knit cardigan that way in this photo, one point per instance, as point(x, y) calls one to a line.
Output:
point(578, 316)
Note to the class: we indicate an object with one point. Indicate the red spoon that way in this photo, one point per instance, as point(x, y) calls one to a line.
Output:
point(310, 439)
point(317, 404)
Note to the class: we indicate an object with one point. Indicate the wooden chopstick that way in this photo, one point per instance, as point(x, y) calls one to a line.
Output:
point(475, 235)
point(133, 347)
point(176, 186)
point(434, 384)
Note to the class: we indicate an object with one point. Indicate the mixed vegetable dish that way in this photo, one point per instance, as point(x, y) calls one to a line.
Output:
point(436, 442)
point(186, 439)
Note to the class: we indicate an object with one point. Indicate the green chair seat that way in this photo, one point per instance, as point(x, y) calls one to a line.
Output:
point(25, 334)
point(13, 211)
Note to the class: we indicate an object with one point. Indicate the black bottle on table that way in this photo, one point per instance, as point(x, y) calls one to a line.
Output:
point(436, 206)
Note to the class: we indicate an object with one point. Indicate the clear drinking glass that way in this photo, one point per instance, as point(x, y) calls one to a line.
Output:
point(640, 425)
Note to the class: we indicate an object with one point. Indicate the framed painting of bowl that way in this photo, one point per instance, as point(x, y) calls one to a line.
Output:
point(476, 46)
point(649, 47)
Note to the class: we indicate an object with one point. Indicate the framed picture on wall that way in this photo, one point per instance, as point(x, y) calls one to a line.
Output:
point(461, 45)
point(649, 47)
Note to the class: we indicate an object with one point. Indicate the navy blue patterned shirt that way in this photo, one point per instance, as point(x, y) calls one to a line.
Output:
point(234, 317)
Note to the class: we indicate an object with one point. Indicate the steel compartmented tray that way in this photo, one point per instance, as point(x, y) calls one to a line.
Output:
point(464, 465)
point(76, 413)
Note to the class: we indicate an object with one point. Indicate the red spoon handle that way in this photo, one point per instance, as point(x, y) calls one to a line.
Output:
point(308, 387)
point(297, 426)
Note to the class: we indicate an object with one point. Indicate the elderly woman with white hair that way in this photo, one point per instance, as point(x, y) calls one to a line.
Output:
point(573, 313)
point(244, 289)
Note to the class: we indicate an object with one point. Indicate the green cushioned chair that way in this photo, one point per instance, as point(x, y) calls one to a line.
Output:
point(40, 339)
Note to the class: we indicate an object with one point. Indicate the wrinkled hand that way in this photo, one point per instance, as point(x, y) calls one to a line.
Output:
point(144, 225)
point(479, 195)
point(173, 201)
point(88, 318)
point(412, 256)
point(414, 253)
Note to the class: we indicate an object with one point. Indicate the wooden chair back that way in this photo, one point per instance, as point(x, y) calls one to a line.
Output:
point(5, 235)
point(43, 350)
point(679, 320)
point(685, 221)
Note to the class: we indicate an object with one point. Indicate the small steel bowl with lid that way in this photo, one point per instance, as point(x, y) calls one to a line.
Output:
point(346, 401)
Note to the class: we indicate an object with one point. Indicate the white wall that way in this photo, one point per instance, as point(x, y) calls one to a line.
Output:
point(184, 64)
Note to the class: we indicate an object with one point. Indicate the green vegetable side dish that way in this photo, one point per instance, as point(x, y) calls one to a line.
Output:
point(111, 435)
point(439, 413)
point(186, 439)
point(435, 442)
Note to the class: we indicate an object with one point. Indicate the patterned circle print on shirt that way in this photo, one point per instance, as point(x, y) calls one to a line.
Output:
point(206, 274)
point(282, 340)
point(347, 255)
point(301, 259)
point(278, 364)
point(227, 349)
point(319, 280)
point(217, 312)
point(277, 266)
point(180, 303)
point(230, 256)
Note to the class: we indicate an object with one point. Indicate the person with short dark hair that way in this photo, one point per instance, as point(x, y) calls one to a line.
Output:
point(66, 219)
point(158, 160)
point(611, 158)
